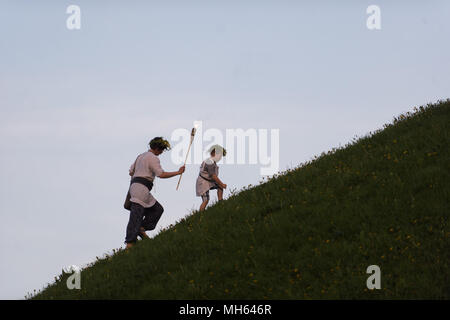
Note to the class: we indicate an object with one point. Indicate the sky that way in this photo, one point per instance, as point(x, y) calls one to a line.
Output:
point(78, 106)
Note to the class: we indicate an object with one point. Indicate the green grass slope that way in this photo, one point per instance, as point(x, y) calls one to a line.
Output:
point(310, 232)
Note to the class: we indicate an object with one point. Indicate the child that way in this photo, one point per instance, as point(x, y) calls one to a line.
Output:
point(208, 178)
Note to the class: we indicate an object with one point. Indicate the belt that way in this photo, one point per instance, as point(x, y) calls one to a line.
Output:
point(205, 178)
point(143, 181)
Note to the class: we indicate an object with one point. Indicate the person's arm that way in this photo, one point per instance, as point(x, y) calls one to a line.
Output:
point(219, 182)
point(166, 175)
point(210, 168)
point(132, 168)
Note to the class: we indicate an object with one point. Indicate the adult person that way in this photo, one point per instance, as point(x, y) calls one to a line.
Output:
point(145, 211)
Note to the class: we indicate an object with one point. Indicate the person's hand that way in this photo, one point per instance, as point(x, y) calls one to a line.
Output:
point(181, 170)
point(224, 186)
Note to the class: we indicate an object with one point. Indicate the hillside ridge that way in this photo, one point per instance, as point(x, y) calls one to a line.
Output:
point(309, 232)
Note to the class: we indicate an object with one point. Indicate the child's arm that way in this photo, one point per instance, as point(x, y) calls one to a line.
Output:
point(219, 182)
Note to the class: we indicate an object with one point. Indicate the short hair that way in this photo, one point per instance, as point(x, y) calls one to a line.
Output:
point(159, 143)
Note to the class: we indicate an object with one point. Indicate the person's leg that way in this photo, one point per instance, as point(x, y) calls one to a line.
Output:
point(203, 205)
point(134, 224)
point(152, 216)
point(142, 233)
point(220, 194)
point(205, 199)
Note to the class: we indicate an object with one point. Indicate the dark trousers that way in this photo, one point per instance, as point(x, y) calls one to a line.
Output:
point(142, 217)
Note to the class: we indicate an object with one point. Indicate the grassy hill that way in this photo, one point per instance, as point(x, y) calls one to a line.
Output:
point(310, 232)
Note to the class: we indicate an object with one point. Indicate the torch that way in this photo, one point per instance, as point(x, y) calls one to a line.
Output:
point(189, 148)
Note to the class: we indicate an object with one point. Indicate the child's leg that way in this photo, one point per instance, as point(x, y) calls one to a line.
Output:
point(205, 199)
point(220, 194)
point(203, 205)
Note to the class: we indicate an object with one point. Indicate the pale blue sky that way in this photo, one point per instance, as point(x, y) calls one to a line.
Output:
point(76, 107)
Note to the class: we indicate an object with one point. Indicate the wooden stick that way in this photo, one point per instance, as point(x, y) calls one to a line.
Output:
point(189, 148)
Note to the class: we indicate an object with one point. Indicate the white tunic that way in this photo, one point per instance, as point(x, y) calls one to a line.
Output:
point(147, 165)
point(205, 181)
